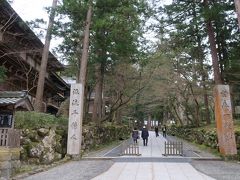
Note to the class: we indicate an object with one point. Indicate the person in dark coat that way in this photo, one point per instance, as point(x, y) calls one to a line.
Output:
point(135, 135)
point(156, 131)
point(164, 131)
point(145, 135)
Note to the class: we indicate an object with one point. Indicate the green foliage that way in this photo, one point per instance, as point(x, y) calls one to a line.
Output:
point(37, 26)
point(182, 31)
point(158, 112)
point(112, 41)
point(205, 136)
point(34, 120)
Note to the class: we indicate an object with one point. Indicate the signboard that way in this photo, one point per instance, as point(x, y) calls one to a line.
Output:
point(6, 120)
point(223, 115)
point(75, 120)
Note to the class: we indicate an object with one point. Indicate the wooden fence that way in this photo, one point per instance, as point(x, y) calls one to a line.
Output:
point(130, 148)
point(172, 148)
point(9, 137)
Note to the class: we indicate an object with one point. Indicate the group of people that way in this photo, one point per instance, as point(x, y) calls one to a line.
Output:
point(145, 134)
point(164, 129)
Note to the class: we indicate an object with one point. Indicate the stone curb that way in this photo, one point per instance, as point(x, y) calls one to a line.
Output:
point(155, 159)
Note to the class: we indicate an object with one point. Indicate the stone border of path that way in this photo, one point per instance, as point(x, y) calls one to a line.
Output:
point(87, 156)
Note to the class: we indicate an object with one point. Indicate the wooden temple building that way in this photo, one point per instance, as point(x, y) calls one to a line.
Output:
point(20, 55)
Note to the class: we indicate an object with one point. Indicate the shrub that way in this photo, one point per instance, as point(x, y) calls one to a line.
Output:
point(34, 120)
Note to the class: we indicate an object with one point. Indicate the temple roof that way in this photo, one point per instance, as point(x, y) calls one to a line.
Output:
point(16, 98)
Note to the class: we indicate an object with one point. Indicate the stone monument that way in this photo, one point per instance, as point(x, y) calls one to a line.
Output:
point(75, 120)
point(223, 116)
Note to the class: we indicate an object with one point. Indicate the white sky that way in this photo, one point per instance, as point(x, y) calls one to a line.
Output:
point(32, 9)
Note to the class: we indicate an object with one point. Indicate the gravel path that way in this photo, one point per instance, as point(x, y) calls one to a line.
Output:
point(74, 170)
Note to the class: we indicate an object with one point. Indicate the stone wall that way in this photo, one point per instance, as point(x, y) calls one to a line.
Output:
point(206, 137)
point(9, 161)
point(44, 146)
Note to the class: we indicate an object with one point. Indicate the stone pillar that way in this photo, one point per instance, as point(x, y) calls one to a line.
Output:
point(15, 159)
point(5, 163)
point(75, 120)
point(224, 120)
point(9, 161)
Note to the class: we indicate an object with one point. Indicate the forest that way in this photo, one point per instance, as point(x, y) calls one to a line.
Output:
point(105, 47)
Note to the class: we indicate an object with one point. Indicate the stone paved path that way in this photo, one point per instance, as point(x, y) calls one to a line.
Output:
point(74, 170)
point(152, 171)
point(145, 170)
point(149, 166)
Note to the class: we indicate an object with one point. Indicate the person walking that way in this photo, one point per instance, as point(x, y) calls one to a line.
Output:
point(156, 131)
point(145, 135)
point(164, 130)
point(135, 135)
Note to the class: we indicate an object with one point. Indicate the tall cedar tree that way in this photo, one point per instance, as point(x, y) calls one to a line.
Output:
point(115, 31)
point(183, 24)
point(42, 74)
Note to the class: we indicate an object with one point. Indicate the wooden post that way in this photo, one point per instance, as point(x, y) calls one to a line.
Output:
point(223, 116)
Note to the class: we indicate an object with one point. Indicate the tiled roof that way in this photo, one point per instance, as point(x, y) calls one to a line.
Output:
point(11, 97)
point(6, 101)
point(13, 94)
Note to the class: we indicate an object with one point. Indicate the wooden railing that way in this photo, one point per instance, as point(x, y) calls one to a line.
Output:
point(9, 137)
point(173, 148)
point(130, 148)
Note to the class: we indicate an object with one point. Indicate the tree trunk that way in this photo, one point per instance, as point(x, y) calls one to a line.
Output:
point(214, 54)
point(44, 61)
point(205, 95)
point(98, 92)
point(207, 112)
point(149, 121)
point(85, 106)
point(97, 106)
point(237, 5)
point(200, 57)
point(84, 59)
point(118, 116)
point(197, 119)
point(175, 114)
